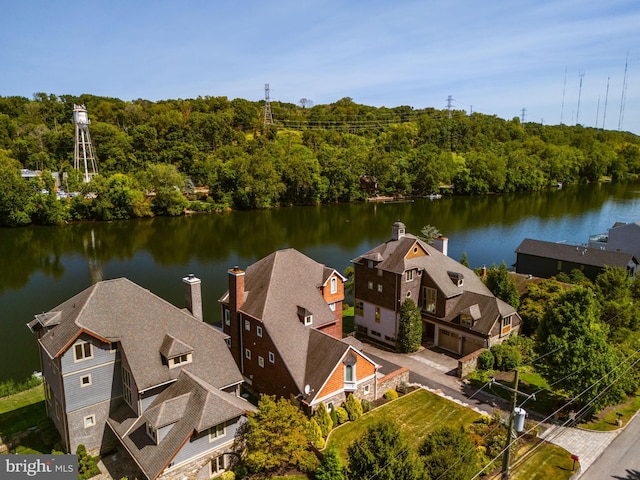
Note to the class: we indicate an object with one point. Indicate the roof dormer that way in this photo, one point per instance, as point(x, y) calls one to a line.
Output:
point(305, 316)
point(457, 278)
point(174, 352)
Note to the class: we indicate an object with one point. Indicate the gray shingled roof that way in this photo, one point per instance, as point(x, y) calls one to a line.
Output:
point(576, 254)
point(269, 285)
point(472, 295)
point(275, 287)
point(121, 311)
point(189, 405)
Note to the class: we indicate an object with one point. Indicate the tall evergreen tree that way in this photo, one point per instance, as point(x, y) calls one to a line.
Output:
point(409, 328)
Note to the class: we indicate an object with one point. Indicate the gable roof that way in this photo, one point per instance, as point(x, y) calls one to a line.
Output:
point(465, 291)
point(576, 254)
point(189, 406)
point(144, 324)
point(395, 258)
point(276, 287)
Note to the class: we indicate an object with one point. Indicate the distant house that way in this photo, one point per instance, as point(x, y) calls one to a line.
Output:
point(123, 367)
point(459, 313)
point(547, 259)
point(622, 237)
point(283, 316)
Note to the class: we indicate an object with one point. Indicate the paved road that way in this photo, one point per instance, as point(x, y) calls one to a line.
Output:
point(621, 460)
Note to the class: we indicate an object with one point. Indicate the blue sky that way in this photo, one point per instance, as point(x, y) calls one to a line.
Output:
point(494, 57)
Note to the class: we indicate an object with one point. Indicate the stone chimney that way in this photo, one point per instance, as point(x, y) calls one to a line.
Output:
point(398, 230)
point(442, 244)
point(236, 288)
point(193, 295)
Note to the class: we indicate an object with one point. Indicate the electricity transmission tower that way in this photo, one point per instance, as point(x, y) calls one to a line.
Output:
point(83, 157)
point(268, 118)
point(449, 105)
point(581, 74)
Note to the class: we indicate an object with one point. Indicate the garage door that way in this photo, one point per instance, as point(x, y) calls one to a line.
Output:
point(448, 340)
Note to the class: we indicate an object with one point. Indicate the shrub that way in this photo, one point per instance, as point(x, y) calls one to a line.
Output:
point(334, 417)
point(353, 408)
point(391, 395)
point(228, 475)
point(486, 360)
point(323, 419)
point(367, 406)
point(342, 415)
point(507, 357)
point(314, 434)
point(403, 388)
point(10, 387)
point(87, 464)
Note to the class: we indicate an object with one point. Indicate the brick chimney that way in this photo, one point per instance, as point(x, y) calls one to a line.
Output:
point(236, 289)
point(193, 295)
point(442, 244)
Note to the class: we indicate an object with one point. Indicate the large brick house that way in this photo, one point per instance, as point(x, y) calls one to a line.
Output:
point(283, 318)
point(459, 313)
point(122, 367)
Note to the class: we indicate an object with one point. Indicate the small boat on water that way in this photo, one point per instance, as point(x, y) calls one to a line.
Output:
point(433, 196)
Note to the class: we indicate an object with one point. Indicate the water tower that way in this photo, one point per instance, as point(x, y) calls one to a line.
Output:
point(83, 156)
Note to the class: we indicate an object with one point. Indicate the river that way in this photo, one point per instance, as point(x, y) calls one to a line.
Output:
point(43, 266)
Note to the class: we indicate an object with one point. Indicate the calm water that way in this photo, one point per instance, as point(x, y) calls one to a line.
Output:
point(43, 266)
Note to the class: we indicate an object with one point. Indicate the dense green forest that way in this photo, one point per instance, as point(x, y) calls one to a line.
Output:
point(152, 154)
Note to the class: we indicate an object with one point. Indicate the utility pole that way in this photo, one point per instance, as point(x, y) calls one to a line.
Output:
point(506, 458)
point(522, 116)
point(624, 93)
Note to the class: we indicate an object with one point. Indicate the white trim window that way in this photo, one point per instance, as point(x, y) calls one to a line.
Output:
point(247, 354)
point(409, 275)
point(260, 361)
point(218, 431)
point(308, 319)
point(259, 330)
point(82, 351)
point(332, 306)
point(272, 357)
point(227, 316)
point(85, 380)
point(247, 325)
point(367, 389)
point(334, 285)
point(217, 465)
point(89, 421)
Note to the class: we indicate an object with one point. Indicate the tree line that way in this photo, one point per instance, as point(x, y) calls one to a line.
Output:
point(338, 152)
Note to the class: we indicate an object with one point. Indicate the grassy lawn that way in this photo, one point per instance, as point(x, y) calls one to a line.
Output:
point(417, 413)
point(606, 419)
point(21, 411)
point(347, 321)
point(546, 462)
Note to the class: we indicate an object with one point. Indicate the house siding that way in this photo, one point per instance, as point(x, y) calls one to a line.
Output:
point(386, 327)
point(90, 437)
point(199, 444)
point(106, 383)
point(102, 353)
